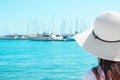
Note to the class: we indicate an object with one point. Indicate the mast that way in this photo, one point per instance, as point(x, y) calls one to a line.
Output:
point(53, 23)
point(77, 26)
point(63, 27)
point(7, 31)
point(27, 28)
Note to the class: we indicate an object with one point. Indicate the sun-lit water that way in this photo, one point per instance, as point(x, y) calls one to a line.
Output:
point(43, 60)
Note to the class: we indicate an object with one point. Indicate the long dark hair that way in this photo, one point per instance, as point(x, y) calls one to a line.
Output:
point(111, 70)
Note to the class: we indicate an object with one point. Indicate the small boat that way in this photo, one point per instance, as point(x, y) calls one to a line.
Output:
point(57, 37)
point(69, 39)
point(8, 37)
point(14, 37)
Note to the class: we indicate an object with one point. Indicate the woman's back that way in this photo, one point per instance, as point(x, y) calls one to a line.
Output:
point(110, 69)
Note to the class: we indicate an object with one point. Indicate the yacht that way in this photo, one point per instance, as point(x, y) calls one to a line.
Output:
point(45, 37)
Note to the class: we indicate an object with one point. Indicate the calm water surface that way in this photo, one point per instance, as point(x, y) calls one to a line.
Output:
point(43, 60)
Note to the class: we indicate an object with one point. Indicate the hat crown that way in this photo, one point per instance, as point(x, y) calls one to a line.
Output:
point(107, 26)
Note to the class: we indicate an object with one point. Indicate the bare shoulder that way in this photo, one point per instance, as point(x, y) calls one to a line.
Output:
point(89, 76)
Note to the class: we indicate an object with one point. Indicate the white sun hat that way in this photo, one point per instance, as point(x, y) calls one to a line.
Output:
point(103, 40)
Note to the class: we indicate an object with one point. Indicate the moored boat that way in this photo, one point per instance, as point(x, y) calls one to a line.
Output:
point(69, 39)
point(46, 37)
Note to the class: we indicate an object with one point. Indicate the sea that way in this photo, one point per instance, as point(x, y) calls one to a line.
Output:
point(43, 60)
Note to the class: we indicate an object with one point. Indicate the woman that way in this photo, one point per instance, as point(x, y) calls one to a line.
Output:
point(103, 41)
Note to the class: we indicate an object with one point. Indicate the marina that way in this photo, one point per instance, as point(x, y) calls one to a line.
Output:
point(39, 37)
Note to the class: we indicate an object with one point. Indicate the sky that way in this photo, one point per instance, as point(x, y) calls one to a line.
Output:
point(59, 16)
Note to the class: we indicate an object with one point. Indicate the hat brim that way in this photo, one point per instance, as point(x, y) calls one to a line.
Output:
point(101, 49)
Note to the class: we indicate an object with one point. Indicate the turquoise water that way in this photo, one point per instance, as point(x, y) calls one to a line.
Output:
point(43, 60)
